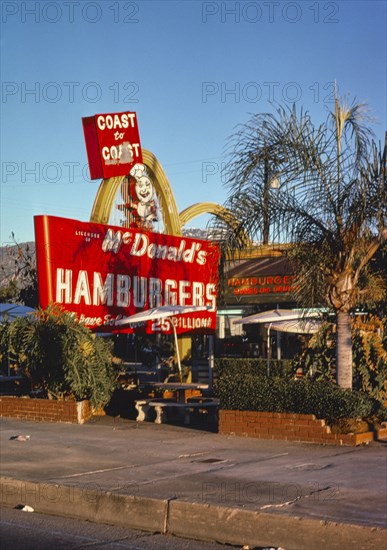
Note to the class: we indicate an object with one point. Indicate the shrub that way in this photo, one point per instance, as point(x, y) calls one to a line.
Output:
point(252, 366)
point(321, 398)
point(369, 344)
point(370, 356)
point(4, 346)
point(318, 359)
point(62, 357)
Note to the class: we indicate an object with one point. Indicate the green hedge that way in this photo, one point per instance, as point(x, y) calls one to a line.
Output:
point(252, 366)
point(324, 399)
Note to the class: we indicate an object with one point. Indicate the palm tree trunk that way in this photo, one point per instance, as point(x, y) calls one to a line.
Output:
point(266, 220)
point(344, 350)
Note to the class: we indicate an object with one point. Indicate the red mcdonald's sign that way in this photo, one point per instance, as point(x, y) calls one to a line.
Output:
point(112, 144)
point(105, 273)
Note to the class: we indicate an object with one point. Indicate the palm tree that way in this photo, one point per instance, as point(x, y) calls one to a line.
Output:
point(328, 204)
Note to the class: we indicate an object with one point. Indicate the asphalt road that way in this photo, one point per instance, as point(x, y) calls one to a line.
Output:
point(29, 531)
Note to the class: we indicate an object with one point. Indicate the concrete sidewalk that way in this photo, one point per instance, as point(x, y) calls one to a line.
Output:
point(197, 484)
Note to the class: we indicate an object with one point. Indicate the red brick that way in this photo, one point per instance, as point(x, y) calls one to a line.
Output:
point(263, 430)
point(381, 433)
point(266, 415)
point(40, 409)
point(363, 438)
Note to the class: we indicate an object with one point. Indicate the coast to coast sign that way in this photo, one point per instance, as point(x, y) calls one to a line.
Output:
point(105, 273)
point(112, 144)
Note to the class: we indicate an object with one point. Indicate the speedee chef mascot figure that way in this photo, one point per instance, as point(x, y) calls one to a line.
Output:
point(144, 205)
point(147, 206)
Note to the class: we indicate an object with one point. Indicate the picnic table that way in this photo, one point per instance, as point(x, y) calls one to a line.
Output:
point(183, 405)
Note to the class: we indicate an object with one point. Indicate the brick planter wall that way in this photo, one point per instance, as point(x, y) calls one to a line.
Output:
point(47, 410)
point(381, 433)
point(285, 426)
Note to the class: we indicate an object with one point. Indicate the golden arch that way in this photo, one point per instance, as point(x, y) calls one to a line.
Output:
point(215, 209)
point(108, 189)
point(201, 208)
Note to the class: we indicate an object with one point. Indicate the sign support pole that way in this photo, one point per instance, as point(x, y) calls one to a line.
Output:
point(268, 349)
point(177, 350)
point(211, 361)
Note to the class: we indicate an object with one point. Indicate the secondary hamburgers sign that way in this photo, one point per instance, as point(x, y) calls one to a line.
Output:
point(105, 273)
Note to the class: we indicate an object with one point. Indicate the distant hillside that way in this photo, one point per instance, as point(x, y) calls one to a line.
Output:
point(8, 256)
point(195, 233)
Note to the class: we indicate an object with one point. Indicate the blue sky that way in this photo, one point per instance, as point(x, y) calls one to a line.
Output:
point(191, 70)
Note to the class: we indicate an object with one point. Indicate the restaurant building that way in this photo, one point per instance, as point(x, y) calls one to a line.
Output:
point(261, 279)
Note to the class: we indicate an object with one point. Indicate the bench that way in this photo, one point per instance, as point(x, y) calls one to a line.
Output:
point(143, 407)
point(198, 405)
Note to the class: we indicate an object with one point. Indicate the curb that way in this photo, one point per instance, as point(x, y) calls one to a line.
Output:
point(190, 519)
